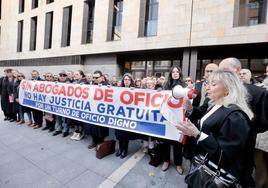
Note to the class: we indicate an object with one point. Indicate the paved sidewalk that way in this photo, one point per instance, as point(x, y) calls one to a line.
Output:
point(34, 158)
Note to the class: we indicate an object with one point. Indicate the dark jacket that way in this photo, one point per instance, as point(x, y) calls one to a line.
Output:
point(229, 129)
point(258, 102)
point(197, 99)
point(4, 92)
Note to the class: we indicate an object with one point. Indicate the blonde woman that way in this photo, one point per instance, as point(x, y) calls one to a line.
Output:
point(226, 127)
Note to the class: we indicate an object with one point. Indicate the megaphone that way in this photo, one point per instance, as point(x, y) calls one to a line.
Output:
point(178, 92)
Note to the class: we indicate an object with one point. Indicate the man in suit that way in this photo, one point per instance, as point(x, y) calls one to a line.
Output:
point(258, 97)
point(4, 92)
point(37, 114)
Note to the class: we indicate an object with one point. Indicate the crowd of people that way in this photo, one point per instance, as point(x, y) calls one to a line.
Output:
point(229, 115)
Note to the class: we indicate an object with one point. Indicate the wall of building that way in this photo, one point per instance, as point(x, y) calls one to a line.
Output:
point(212, 24)
point(172, 32)
point(105, 63)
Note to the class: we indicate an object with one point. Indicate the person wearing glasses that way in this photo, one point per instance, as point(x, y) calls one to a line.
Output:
point(49, 118)
point(98, 133)
point(37, 114)
point(61, 125)
point(189, 82)
point(23, 109)
point(79, 78)
point(123, 137)
point(200, 86)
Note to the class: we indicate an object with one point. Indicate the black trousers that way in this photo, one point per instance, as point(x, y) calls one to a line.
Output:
point(177, 151)
point(50, 124)
point(38, 117)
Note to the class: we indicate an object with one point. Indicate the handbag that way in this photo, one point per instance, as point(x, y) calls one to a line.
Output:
point(156, 155)
point(105, 148)
point(205, 174)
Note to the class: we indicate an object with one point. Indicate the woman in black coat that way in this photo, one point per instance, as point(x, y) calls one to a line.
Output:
point(226, 127)
point(175, 78)
point(4, 93)
point(13, 105)
point(123, 137)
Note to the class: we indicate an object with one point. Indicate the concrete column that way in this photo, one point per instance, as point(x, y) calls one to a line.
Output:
point(185, 62)
point(193, 63)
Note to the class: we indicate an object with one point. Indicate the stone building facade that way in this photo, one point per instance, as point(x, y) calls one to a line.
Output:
point(145, 37)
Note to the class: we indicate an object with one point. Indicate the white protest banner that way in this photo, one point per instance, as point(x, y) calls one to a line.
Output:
point(135, 110)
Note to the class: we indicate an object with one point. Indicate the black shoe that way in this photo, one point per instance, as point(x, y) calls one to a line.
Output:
point(51, 130)
point(56, 133)
point(45, 128)
point(6, 118)
point(65, 134)
point(123, 154)
point(118, 153)
point(12, 120)
point(91, 146)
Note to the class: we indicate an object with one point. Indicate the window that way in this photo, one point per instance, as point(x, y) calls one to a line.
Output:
point(34, 4)
point(0, 8)
point(115, 20)
point(148, 18)
point(0, 34)
point(66, 26)
point(151, 17)
point(157, 68)
point(21, 6)
point(88, 21)
point(20, 36)
point(48, 30)
point(251, 12)
point(50, 1)
point(33, 32)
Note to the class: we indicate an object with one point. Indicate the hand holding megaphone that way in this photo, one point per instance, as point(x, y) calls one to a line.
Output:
point(178, 92)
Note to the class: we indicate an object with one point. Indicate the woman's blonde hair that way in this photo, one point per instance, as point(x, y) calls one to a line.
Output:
point(237, 93)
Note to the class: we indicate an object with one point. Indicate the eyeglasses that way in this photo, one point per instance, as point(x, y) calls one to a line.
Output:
point(96, 77)
point(188, 80)
point(63, 75)
point(209, 71)
point(206, 83)
point(49, 76)
point(127, 79)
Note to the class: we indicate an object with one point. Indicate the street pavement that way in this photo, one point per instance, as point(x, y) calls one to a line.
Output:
point(35, 158)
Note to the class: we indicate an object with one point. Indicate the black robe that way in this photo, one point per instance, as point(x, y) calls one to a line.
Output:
point(4, 93)
point(229, 130)
point(258, 102)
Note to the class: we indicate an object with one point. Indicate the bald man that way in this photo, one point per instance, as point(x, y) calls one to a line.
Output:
point(245, 75)
point(200, 86)
point(258, 97)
